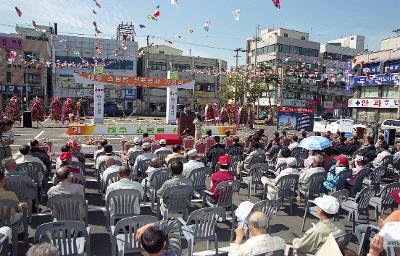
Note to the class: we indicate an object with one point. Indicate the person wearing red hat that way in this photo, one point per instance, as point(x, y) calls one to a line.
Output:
point(337, 172)
point(221, 175)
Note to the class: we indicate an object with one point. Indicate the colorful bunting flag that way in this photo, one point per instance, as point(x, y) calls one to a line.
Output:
point(141, 26)
point(174, 2)
point(190, 31)
point(123, 45)
point(94, 12)
point(277, 4)
point(236, 14)
point(157, 12)
point(19, 12)
point(151, 17)
point(95, 28)
point(206, 25)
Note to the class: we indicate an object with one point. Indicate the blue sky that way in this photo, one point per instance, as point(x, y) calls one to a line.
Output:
point(324, 19)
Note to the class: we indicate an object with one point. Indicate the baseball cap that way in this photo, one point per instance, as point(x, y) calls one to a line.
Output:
point(342, 160)
point(223, 160)
point(291, 161)
point(328, 204)
point(163, 141)
point(65, 156)
point(192, 152)
point(137, 140)
point(146, 145)
point(396, 195)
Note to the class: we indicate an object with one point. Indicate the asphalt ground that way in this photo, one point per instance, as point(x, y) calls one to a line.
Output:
point(283, 225)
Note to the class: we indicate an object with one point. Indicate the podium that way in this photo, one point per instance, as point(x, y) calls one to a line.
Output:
point(185, 122)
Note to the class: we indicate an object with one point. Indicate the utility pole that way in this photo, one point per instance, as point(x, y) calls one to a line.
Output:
point(255, 66)
point(237, 56)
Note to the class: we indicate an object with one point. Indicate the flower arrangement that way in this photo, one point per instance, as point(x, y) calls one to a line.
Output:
point(209, 113)
point(67, 109)
point(55, 109)
point(224, 115)
point(232, 113)
point(92, 141)
point(13, 111)
point(37, 109)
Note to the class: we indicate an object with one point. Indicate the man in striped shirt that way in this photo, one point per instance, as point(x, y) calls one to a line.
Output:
point(6, 139)
point(161, 238)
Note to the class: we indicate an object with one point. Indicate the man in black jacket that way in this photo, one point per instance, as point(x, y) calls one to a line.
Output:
point(368, 150)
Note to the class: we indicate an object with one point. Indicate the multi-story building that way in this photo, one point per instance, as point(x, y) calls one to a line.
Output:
point(156, 60)
point(27, 74)
point(376, 82)
point(75, 54)
point(391, 42)
point(313, 74)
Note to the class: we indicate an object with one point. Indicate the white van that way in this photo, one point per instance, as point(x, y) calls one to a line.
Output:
point(391, 124)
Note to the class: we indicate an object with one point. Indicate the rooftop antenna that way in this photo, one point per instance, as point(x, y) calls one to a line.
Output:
point(397, 31)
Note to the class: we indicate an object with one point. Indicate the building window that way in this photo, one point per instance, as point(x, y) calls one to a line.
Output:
point(31, 56)
point(157, 66)
point(303, 38)
point(205, 87)
point(180, 67)
point(285, 35)
point(8, 75)
point(32, 78)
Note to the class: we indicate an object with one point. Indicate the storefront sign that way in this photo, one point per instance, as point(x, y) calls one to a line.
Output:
point(203, 94)
point(131, 93)
point(13, 89)
point(10, 42)
point(297, 110)
point(129, 129)
point(98, 103)
point(340, 105)
point(134, 81)
point(98, 70)
point(299, 103)
point(373, 103)
point(379, 79)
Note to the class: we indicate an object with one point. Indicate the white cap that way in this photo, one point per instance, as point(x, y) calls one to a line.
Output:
point(328, 204)
point(146, 145)
point(163, 142)
point(192, 152)
point(243, 211)
point(137, 140)
point(291, 161)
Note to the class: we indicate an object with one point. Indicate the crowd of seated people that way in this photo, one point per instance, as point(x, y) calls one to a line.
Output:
point(348, 160)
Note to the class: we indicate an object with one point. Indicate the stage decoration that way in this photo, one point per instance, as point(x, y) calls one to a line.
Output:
point(74, 145)
point(67, 109)
point(224, 115)
point(55, 109)
point(209, 113)
point(157, 12)
point(277, 4)
point(13, 111)
point(37, 109)
point(216, 113)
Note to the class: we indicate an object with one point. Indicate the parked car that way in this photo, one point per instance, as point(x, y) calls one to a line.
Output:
point(391, 124)
point(111, 110)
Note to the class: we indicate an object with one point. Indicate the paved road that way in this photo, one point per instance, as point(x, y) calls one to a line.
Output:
point(288, 227)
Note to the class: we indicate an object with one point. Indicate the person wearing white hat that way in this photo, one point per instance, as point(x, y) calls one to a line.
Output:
point(316, 236)
point(163, 147)
point(136, 148)
point(143, 157)
point(192, 164)
point(272, 189)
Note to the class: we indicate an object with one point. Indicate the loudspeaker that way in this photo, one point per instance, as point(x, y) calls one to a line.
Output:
point(27, 119)
point(390, 136)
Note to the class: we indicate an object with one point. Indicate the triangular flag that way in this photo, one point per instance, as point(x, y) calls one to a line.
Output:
point(206, 25)
point(151, 17)
point(157, 12)
point(19, 12)
point(174, 2)
point(236, 14)
point(277, 4)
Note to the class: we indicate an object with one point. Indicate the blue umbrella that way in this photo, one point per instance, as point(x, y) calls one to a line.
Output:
point(315, 143)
